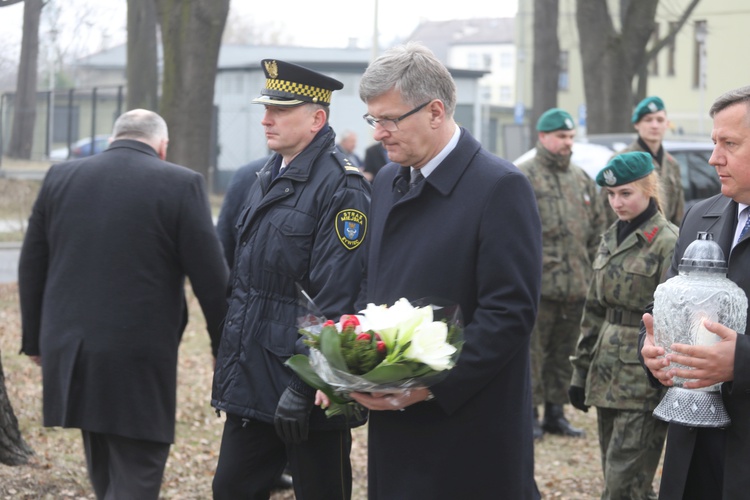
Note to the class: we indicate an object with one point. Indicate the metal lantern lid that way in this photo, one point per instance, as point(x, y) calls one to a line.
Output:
point(703, 255)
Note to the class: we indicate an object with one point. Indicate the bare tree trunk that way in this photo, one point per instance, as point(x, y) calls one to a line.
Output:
point(611, 60)
point(13, 449)
point(142, 71)
point(24, 115)
point(191, 37)
point(546, 70)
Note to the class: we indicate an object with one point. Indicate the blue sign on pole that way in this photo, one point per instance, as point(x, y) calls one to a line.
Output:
point(519, 113)
point(581, 115)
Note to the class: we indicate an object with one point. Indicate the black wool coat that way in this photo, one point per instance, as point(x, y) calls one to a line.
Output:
point(110, 241)
point(469, 233)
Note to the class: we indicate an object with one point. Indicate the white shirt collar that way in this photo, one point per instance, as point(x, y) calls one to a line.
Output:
point(432, 164)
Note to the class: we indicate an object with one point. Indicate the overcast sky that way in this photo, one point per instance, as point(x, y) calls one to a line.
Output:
point(98, 23)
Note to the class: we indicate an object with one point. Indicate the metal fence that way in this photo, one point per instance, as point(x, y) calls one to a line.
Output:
point(64, 117)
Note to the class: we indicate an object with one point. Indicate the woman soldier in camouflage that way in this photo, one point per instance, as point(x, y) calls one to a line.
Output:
point(633, 257)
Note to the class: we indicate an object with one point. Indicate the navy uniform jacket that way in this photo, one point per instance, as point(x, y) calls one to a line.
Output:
point(306, 228)
point(110, 241)
point(470, 233)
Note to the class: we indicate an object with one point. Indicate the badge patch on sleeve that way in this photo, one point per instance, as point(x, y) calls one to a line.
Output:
point(351, 226)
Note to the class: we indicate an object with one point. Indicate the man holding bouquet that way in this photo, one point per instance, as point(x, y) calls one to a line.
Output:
point(302, 225)
point(452, 221)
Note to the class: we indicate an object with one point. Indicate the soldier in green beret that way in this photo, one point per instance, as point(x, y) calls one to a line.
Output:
point(650, 121)
point(573, 218)
point(633, 258)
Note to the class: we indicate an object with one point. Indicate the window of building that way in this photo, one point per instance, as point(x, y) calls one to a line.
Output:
point(486, 93)
point(653, 67)
point(473, 60)
point(506, 60)
point(506, 95)
point(699, 54)
point(487, 58)
point(671, 52)
point(563, 82)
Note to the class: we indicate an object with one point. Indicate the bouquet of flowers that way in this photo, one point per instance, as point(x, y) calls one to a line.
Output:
point(382, 349)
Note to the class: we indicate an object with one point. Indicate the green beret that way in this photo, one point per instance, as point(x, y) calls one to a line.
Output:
point(555, 119)
point(648, 105)
point(625, 168)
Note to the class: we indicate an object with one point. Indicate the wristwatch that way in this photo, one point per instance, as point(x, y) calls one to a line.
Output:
point(430, 396)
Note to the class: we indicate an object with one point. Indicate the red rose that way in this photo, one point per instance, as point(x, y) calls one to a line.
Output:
point(381, 347)
point(349, 320)
point(364, 336)
point(329, 323)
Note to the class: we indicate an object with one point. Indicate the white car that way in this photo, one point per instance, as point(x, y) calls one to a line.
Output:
point(699, 179)
point(590, 157)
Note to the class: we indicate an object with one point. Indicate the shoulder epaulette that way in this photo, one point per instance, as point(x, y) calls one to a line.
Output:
point(345, 163)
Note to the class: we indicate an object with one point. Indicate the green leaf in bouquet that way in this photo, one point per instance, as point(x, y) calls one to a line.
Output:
point(330, 346)
point(420, 369)
point(339, 405)
point(385, 373)
point(300, 364)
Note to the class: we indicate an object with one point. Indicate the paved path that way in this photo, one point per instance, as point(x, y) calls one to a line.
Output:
point(9, 253)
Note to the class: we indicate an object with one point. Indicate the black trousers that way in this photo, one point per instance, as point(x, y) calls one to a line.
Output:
point(121, 468)
point(252, 456)
point(705, 478)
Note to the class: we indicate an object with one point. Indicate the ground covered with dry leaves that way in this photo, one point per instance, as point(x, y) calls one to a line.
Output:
point(565, 468)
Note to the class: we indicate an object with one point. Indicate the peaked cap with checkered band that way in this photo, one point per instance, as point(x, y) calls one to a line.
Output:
point(289, 84)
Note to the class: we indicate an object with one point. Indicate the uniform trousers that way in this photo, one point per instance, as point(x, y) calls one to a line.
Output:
point(553, 341)
point(252, 456)
point(631, 443)
point(122, 468)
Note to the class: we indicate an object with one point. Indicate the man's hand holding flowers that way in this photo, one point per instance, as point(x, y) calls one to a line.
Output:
point(383, 401)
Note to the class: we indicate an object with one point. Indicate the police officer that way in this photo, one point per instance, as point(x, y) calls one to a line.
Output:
point(634, 255)
point(651, 122)
point(303, 224)
point(572, 220)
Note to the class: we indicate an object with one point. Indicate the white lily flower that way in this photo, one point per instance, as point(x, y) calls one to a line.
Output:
point(429, 346)
point(395, 324)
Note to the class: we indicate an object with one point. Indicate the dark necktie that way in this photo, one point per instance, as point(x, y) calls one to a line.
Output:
point(746, 226)
point(416, 178)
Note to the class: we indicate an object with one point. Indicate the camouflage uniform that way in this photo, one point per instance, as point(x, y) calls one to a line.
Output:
point(606, 359)
point(573, 219)
point(672, 196)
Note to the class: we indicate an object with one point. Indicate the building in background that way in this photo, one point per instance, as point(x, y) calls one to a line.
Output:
point(700, 65)
point(89, 110)
point(489, 45)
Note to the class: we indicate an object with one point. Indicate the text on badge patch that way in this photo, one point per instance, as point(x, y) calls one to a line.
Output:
point(351, 227)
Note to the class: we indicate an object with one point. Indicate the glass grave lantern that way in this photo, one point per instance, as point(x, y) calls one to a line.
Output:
point(701, 291)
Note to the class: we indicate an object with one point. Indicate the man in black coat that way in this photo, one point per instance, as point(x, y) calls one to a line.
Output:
point(709, 463)
point(468, 231)
point(110, 241)
point(227, 224)
point(375, 158)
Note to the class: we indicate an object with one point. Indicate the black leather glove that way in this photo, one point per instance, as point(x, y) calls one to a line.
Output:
point(577, 396)
point(292, 416)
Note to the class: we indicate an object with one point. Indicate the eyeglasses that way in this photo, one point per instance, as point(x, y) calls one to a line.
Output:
point(391, 124)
